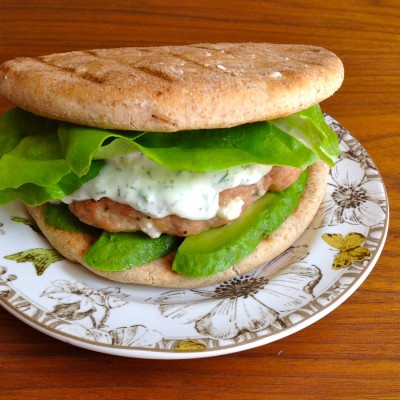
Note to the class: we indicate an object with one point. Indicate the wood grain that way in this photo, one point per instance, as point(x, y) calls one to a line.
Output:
point(354, 351)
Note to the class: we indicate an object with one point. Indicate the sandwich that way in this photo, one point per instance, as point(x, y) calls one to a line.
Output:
point(173, 166)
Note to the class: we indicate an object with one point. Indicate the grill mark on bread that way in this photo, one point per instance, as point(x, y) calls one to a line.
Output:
point(90, 77)
point(160, 74)
point(145, 49)
point(156, 73)
point(206, 48)
point(218, 67)
point(316, 63)
point(188, 60)
point(163, 119)
point(91, 53)
point(86, 75)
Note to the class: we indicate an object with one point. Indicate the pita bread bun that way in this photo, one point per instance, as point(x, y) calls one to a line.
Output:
point(73, 245)
point(173, 88)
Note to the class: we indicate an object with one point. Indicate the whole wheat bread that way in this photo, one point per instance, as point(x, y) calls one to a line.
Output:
point(173, 88)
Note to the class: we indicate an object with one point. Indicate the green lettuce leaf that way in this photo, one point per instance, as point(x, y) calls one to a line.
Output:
point(33, 167)
point(41, 159)
point(16, 124)
point(310, 128)
point(276, 142)
point(217, 149)
point(36, 159)
point(33, 195)
point(28, 148)
point(82, 144)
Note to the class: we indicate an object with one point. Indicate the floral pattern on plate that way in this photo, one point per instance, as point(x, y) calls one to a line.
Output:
point(244, 304)
point(323, 268)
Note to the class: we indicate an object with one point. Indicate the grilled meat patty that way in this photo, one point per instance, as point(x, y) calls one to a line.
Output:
point(115, 217)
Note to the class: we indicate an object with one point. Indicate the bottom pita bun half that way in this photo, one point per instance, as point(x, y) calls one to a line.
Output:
point(74, 245)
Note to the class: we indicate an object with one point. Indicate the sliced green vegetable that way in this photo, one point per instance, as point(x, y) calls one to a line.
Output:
point(59, 216)
point(124, 250)
point(217, 249)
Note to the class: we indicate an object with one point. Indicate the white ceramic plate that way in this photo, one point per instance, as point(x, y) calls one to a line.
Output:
point(322, 269)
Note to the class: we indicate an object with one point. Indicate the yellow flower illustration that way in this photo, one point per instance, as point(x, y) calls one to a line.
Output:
point(349, 247)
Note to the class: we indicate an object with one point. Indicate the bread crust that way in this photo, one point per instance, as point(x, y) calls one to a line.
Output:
point(173, 88)
point(74, 245)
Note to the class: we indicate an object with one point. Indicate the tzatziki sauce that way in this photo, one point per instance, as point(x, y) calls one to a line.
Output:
point(155, 191)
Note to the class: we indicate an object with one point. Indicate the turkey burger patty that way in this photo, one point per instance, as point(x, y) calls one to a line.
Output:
point(135, 194)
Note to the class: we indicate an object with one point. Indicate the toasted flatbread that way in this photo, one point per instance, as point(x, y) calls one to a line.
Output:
point(173, 88)
point(74, 245)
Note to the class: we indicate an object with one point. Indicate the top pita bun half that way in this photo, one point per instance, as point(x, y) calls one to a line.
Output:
point(173, 88)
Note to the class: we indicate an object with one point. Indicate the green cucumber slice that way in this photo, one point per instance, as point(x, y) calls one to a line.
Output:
point(217, 249)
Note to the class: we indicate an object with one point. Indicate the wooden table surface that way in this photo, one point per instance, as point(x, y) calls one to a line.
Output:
point(351, 353)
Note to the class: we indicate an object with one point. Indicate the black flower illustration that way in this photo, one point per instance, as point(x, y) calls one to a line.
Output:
point(351, 198)
point(247, 303)
point(76, 301)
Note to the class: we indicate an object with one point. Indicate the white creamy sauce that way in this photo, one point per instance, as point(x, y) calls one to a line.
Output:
point(231, 210)
point(147, 227)
point(158, 192)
